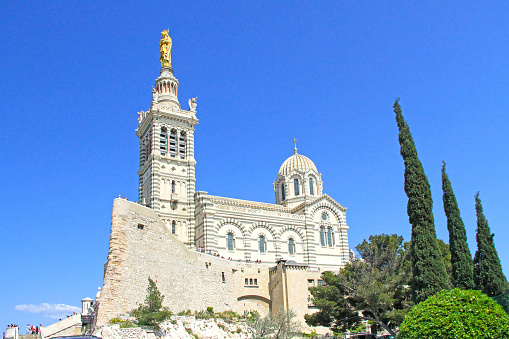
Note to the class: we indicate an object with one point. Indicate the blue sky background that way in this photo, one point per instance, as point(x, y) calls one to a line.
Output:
point(75, 74)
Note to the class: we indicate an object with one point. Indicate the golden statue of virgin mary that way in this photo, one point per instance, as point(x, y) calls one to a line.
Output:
point(165, 47)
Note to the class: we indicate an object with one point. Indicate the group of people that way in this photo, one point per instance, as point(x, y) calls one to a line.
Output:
point(202, 250)
point(12, 326)
point(31, 329)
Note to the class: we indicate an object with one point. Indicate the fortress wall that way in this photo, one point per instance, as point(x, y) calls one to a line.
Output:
point(297, 287)
point(181, 275)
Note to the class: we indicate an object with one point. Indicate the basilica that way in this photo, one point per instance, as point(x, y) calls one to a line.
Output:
point(207, 250)
point(303, 225)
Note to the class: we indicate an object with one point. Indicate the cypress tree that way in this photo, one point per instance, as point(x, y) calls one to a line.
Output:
point(429, 275)
point(461, 259)
point(488, 275)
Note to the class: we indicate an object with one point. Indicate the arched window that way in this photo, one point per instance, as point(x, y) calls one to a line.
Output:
point(329, 236)
point(162, 141)
point(230, 241)
point(173, 186)
point(296, 186)
point(291, 246)
point(262, 244)
point(148, 145)
point(283, 195)
point(311, 187)
point(173, 143)
point(173, 223)
point(182, 145)
point(322, 236)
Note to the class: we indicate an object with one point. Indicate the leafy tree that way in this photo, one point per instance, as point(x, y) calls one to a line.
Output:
point(282, 325)
point(152, 312)
point(336, 311)
point(285, 325)
point(444, 251)
point(429, 275)
point(488, 275)
point(456, 314)
point(446, 256)
point(375, 286)
point(258, 326)
point(461, 260)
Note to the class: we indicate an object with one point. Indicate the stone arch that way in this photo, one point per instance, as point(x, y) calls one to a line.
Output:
point(230, 221)
point(251, 296)
point(262, 224)
point(295, 175)
point(291, 228)
point(324, 204)
point(229, 225)
point(311, 176)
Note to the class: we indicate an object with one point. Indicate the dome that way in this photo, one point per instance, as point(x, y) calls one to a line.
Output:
point(297, 162)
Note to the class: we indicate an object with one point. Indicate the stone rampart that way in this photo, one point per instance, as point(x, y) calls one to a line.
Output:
point(141, 247)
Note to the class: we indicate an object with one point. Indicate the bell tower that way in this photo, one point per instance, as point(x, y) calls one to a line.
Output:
point(167, 164)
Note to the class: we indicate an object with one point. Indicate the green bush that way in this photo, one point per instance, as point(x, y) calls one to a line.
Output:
point(116, 320)
point(127, 324)
point(456, 314)
point(152, 312)
point(122, 323)
point(203, 315)
point(311, 335)
point(228, 316)
point(182, 313)
point(503, 300)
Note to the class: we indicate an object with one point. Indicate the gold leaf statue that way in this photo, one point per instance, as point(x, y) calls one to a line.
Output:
point(165, 47)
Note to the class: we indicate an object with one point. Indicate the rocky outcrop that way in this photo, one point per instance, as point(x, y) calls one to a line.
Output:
point(180, 327)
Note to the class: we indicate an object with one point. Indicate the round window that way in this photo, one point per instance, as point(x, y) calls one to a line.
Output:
point(324, 216)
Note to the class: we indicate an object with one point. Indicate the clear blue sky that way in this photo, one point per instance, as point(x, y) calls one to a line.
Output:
point(75, 74)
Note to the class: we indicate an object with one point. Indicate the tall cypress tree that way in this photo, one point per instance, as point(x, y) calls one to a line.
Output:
point(429, 275)
point(488, 275)
point(461, 259)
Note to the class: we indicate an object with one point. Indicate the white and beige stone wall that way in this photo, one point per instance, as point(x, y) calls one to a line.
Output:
point(247, 220)
point(142, 247)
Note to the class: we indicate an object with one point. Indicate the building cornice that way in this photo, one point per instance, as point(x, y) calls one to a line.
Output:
point(246, 203)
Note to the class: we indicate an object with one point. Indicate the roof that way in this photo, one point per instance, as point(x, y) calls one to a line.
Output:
point(297, 162)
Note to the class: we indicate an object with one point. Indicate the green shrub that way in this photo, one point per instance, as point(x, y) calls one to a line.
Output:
point(210, 310)
point(123, 323)
point(203, 315)
point(152, 312)
point(503, 300)
point(116, 320)
point(127, 324)
point(311, 335)
point(228, 316)
point(239, 330)
point(182, 313)
point(456, 314)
